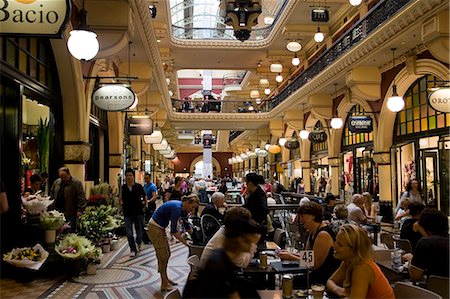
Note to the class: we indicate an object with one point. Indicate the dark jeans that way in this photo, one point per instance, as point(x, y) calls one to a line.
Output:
point(138, 222)
point(203, 196)
point(72, 220)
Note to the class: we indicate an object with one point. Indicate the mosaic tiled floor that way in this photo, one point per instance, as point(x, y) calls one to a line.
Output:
point(119, 276)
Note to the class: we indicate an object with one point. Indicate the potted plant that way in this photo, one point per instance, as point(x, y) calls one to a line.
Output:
point(74, 249)
point(114, 242)
point(96, 222)
point(51, 221)
point(93, 259)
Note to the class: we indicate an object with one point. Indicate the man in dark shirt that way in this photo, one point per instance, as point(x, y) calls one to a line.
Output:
point(408, 231)
point(431, 256)
point(217, 202)
point(133, 211)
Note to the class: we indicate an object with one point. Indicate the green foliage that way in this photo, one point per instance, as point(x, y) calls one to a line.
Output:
point(96, 222)
point(43, 140)
point(74, 247)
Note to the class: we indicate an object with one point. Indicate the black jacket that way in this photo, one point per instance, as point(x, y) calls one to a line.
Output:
point(256, 203)
point(210, 209)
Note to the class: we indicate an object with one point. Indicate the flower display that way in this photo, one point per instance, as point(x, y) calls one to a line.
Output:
point(96, 222)
point(52, 220)
point(27, 257)
point(74, 247)
point(36, 204)
point(93, 257)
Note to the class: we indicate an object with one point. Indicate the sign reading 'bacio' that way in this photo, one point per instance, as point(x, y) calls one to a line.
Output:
point(34, 17)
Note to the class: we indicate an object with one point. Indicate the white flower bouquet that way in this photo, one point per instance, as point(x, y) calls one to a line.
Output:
point(36, 204)
point(74, 247)
point(52, 220)
point(27, 257)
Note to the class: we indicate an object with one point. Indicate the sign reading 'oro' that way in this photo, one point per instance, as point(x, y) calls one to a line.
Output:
point(34, 17)
point(113, 97)
point(440, 100)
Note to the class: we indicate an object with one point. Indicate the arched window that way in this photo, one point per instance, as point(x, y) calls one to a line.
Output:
point(350, 138)
point(418, 116)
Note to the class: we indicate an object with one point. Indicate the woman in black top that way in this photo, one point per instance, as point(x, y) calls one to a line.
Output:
point(409, 231)
point(175, 192)
point(217, 278)
point(256, 201)
point(321, 239)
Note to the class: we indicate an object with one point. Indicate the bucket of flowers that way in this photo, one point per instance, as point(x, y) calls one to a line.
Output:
point(93, 259)
point(28, 257)
point(51, 221)
point(74, 249)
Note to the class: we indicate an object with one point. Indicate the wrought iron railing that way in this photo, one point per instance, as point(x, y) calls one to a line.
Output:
point(233, 79)
point(371, 21)
point(218, 106)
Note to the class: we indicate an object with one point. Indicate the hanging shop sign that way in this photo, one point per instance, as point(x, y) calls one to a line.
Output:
point(292, 144)
point(440, 100)
point(320, 15)
point(207, 141)
point(140, 126)
point(45, 18)
point(360, 124)
point(318, 137)
point(113, 97)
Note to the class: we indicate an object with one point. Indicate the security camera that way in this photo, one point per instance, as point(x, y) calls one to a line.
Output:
point(152, 9)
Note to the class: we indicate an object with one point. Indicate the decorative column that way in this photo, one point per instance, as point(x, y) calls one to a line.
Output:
point(306, 168)
point(383, 160)
point(334, 175)
point(76, 153)
point(207, 157)
point(115, 165)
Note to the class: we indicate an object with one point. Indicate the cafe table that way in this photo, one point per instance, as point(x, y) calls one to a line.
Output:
point(373, 228)
point(278, 294)
point(392, 274)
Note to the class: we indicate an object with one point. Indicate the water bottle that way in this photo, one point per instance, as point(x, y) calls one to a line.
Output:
point(396, 259)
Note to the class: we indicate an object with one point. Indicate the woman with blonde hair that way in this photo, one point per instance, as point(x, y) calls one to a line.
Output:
point(358, 276)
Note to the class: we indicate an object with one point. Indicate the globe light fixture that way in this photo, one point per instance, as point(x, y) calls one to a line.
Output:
point(230, 161)
point(161, 146)
point(176, 161)
point(276, 67)
point(254, 94)
point(262, 153)
point(319, 36)
point(336, 123)
point(267, 91)
point(258, 101)
point(264, 82)
point(293, 46)
point(168, 81)
point(295, 60)
point(82, 42)
point(282, 141)
point(266, 147)
point(304, 134)
point(251, 108)
point(239, 159)
point(257, 150)
point(279, 78)
point(170, 93)
point(244, 157)
point(155, 138)
point(355, 2)
point(269, 20)
point(395, 103)
point(274, 149)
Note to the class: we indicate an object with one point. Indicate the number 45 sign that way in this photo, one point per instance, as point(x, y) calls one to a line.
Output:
point(306, 258)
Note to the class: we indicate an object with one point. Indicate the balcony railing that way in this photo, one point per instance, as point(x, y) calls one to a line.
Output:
point(234, 135)
point(233, 79)
point(218, 106)
point(374, 18)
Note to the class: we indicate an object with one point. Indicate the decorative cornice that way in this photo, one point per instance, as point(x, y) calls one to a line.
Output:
point(333, 162)
point(76, 152)
point(383, 158)
point(234, 44)
point(403, 58)
point(412, 14)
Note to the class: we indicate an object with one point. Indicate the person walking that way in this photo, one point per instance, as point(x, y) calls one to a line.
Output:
point(131, 196)
point(171, 211)
point(69, 197)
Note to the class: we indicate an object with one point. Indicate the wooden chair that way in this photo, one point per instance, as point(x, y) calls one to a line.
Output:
point(195, 250)
point(403, 244)
point(439, 285)
point(404, 290)
point(173, 294)
point(387, 239)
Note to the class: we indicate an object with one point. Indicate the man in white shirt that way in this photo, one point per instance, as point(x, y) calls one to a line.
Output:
point(200, 186)
point(356, 209)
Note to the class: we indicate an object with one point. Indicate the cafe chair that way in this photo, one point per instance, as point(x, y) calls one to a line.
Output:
point(383, 255)
point(193, 261)
point(279, 237)
point(173, 294)
point(404, 290)
point(439, 285)
point(210, 226)
point(403, 244)
point(195, 249)
point(387, 239)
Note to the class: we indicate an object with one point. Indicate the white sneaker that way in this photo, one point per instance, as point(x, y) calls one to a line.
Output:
point(132, 254)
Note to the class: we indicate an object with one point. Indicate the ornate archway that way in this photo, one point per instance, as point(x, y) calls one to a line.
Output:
point(216, 165)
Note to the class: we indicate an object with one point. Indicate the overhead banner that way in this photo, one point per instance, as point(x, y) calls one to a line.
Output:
point(207, 139)
point(440, 100)
point(45, 18)
point(317, 137)
point(113, 97)
point(140, 126)
point(360, 124)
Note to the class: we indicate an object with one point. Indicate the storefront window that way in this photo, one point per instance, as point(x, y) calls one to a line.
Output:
point(350, 138)
point(319, 176)
point(418, 153)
